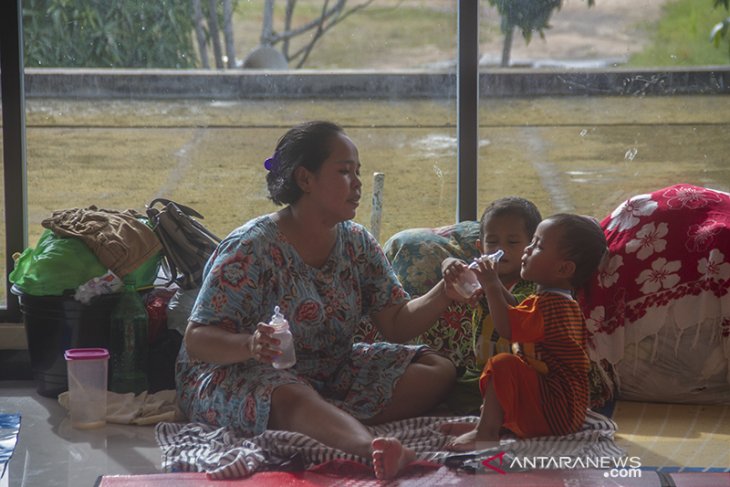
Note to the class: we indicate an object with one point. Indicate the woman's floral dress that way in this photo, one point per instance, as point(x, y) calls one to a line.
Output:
point(255, 269)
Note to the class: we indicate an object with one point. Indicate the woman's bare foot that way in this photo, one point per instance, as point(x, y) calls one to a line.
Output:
point(456, 428)
point(390, 457)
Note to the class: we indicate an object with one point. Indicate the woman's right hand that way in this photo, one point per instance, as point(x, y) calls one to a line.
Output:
point(218, 345)
point(262, 346)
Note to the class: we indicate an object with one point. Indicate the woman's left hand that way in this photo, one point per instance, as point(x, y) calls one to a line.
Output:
point(452, 273)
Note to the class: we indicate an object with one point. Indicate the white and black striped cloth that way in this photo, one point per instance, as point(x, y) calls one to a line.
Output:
point(196, 447)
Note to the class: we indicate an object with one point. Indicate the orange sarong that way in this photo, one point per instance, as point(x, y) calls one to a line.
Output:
point(518, 391)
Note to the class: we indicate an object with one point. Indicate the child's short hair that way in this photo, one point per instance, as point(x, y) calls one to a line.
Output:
point(512, 205)
point(583, 242)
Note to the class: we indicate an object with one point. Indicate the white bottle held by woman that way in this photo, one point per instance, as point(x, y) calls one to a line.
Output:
point(469, 284)
point(286, 341)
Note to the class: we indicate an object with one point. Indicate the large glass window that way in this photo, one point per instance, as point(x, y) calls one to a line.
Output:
point(645, 109)
point(610, 101)
point(208, 151)
point(99, 133)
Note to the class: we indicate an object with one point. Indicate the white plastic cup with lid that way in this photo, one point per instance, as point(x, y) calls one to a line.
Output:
point(87, 385)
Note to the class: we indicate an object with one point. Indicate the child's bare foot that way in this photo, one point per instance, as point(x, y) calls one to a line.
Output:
point(390, 457)
point(464, 442)
point(470, 441)
point(456, 428)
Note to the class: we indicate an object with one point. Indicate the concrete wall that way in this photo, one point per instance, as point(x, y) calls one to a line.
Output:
point(235, 85)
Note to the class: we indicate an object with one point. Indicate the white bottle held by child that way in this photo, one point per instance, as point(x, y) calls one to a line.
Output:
point(468, 284)
point(286, 342)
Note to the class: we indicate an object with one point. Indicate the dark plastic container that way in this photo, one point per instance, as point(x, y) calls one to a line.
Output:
point(53, 324)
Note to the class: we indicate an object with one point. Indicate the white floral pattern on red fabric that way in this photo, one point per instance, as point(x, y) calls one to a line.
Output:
point(703, 235)
point(648, 240)
point(628, 214)
point(608, 275)
point(714, 267)
point(692, 197)
point(595, 321)
point(667, 262)
point(661, 275)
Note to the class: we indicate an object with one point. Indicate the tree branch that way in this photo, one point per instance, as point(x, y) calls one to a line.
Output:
point(320, 30)
point(306, 50)
point(309, 25)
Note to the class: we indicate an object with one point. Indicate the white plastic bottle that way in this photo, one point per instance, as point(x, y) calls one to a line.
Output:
point(286, 345)
point(469, 284)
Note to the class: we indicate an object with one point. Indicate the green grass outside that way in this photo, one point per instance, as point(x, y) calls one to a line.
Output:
point(682, 36)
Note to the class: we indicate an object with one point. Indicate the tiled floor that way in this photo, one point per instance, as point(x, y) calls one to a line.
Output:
point(51, 453)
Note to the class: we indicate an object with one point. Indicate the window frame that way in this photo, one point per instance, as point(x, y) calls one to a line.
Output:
point(14, 154)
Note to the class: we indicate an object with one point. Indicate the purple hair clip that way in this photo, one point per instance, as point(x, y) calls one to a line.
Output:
point(271, 163)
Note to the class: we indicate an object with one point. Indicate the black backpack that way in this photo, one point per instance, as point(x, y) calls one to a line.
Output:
point(186, 243)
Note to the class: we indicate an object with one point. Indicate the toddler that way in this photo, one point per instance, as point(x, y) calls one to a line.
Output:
point(541, 388)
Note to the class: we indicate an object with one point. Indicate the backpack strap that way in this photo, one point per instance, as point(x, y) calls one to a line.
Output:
point(164, 202)
point(181, 236)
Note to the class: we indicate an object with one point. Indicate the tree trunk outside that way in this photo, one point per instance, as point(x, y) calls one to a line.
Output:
point(267, 25)
point(228, 33)
point(289, 15)
point(214, 33)
point(200, 34)
point(507, 47)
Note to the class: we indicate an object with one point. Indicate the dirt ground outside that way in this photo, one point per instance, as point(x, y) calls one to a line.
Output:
point(580, 36)
point(393, 34)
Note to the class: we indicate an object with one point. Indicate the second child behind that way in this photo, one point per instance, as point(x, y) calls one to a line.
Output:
point(542, 388)
point(507, 224)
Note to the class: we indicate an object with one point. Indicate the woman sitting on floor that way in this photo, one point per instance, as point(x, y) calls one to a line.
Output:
point(325, 273)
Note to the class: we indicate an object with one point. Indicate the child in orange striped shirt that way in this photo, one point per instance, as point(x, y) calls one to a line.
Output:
point(540, 389)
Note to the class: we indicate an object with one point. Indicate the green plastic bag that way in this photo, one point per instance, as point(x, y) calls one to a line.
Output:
point(57, 266)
